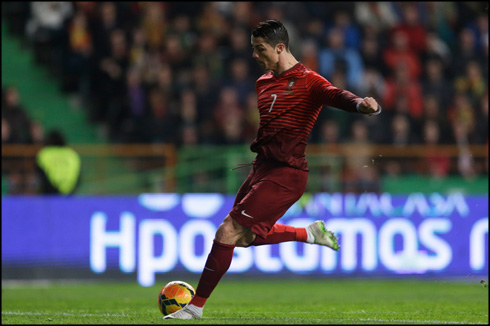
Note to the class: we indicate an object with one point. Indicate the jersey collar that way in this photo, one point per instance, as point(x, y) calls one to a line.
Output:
point(290, 71)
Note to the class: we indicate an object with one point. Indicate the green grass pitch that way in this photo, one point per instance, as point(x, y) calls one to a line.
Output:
point(269, 300)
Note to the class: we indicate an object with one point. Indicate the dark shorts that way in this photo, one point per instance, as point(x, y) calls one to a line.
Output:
point(267, 194)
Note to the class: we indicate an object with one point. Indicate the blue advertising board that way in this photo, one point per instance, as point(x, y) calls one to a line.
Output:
point(380, 234)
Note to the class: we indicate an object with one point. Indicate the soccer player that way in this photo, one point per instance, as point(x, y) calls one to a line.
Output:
point(290, 97)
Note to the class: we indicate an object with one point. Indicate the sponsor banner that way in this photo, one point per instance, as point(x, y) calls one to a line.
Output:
point(380, 234)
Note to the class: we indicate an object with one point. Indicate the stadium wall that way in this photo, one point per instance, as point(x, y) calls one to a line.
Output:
point(146, 236)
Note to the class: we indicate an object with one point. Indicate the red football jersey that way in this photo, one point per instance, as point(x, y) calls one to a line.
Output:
point(289, 105)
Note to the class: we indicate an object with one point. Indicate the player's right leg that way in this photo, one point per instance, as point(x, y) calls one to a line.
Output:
point(269, 196)
point(318, 234)
point(315, 233)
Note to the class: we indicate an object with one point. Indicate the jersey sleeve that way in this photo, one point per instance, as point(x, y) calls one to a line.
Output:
point(324, 93)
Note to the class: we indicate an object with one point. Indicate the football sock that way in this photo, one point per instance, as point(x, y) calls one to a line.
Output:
point(282, 233)
point(218, 262)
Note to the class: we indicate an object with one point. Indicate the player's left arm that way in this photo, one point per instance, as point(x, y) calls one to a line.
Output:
point(325, 93)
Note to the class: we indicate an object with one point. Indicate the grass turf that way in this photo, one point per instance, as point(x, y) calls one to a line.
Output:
point(255, 301)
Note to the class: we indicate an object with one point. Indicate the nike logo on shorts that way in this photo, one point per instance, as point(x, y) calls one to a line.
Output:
point(243, 213)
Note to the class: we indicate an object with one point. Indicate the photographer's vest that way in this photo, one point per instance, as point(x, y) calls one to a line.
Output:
point(61, 166)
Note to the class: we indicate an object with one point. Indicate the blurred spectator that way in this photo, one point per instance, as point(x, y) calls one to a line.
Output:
point(134, 109)
point(165, 80)
point(6, 131)
point(433, 110)
point(77, 62)
point(182, 28)
point(436, 163)
point(243, 15)
point(228, 117)
point(372, 84)
point(162, 123)
point(352, 33)
point(45, 28)
point(336, 56)
point(206, 92)
point(372, 55)
point(58, 166)
point(359, 174)
point(461, 114)
point(240, 79)
point(17, 128)
point(188, 111)
point(239, 45)
point(465, 160)
point(16, 118)
point(329, 140)
point(138, 49)
point(211, 22)
point(471, 82)
point(412, 27)
point(403, 93)
point(479, 28)
point(188, 107)
point(174, 54)
point(379, 15)
point(189, 136)
point(399, 53)
point(314, 30)
point(466, 50)
point(402, 134)
point(154, 24)
point(208, 55)
point(309, 54)
point(251, 117)
point(112, 79)
point(443, 20)
point(435, 83)
point(482, 121)
point(37, 132)
point(436, 50)
point(330, 134)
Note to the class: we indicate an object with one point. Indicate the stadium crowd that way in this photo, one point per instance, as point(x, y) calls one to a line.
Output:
point(182, 72)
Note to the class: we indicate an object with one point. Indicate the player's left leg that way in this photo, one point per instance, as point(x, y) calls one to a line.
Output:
point(217, 264)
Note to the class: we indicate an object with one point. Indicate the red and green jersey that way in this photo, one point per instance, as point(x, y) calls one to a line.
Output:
point(289, 105)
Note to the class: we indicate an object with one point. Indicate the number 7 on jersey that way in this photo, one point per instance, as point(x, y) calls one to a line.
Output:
point(273, 101)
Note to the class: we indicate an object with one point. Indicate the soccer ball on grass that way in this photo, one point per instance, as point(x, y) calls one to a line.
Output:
point(174, 296)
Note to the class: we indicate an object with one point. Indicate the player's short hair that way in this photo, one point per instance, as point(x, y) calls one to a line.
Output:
point(273, 32)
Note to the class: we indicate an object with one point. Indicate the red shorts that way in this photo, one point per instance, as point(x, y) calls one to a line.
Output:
point(267, 194)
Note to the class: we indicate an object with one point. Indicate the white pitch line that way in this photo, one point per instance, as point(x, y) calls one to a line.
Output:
point(403, 321)
point(390, 320)
point(31, 313)
point(406, 321)
point(414, 321)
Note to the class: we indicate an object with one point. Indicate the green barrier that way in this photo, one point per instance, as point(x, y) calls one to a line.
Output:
point(426, 185)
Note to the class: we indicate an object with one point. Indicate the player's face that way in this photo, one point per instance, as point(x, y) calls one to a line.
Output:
point(264, 53)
